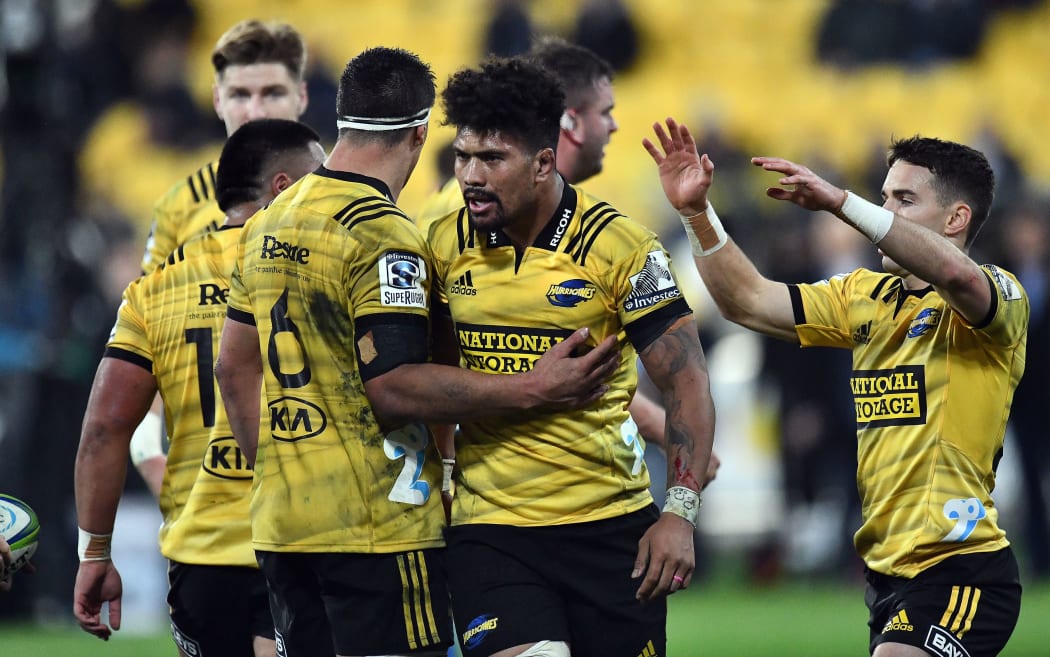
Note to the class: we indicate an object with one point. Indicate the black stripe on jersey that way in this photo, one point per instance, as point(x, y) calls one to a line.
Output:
point(129, 357)
point(178, 255)
point(643, 331)
point(796, 305)
point(464, 231)
point(592, 223)
point(367, 209)
point(240, 316)
point(994, 308)
point(397, 339)
point(198, 184)
point(878, 288)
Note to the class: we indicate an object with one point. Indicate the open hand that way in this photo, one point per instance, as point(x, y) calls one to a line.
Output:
point(807, 189)
point(684, 174)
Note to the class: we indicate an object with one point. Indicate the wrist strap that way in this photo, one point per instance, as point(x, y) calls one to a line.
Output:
point(93, 547)
point(870, 219)
point(705, 232)
point(684, 502)
point(447, 465)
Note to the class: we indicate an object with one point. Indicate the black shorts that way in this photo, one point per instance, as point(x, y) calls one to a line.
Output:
point(358, 604)
point(519, 585)
point(217, 610)
point(965, 606)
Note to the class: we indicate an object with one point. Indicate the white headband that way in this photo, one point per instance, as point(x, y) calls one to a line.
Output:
point(380, 124)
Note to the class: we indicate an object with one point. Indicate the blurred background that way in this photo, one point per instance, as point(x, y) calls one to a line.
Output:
point(106, 103)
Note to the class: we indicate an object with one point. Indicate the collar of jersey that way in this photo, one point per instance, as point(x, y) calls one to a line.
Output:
point(549, 238)
point(350, 176)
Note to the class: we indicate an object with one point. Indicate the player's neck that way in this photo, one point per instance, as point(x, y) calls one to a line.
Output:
point(524, 232)
point(391, 165)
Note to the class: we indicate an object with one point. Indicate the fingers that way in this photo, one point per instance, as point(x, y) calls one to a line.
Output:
point(569, 344)
point(114, 613)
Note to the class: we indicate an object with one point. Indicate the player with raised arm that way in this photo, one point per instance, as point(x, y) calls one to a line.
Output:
point(938, 346)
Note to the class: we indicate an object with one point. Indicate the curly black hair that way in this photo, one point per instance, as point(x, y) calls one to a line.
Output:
point(513, 96)
point(959, 173)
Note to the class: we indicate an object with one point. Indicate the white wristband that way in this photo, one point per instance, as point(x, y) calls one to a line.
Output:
point(447, 465)
point(148, 440)
point(93, 547)
point(705, 237)
point(871, 220)
point(684, 502)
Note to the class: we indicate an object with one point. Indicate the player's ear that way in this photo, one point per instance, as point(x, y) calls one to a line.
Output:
point(419, 135)
point(545, 164)
point(958, 221)
point(280, 182)
point(569, 124)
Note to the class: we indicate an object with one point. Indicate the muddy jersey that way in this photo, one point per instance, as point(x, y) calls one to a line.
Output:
point(187, 210)
point(328, 271)
point(590, 266)
point(169, 323)
point(932, 395)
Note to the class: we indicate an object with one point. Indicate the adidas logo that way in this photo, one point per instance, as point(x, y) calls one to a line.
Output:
point(899, 623)
point(464, 285)
point(863, 334)
point(648, 650)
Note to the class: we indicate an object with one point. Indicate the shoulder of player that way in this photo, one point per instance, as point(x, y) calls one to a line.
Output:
point(604, 229)
point(196, 189)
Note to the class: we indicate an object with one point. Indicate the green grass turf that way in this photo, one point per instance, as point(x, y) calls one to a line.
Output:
point(717, 619)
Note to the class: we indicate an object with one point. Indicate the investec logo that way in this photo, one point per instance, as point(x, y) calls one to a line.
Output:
point(893, 397)
point(505, 349)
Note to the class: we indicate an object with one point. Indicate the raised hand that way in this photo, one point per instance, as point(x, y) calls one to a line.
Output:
point(684, 174)
point(562, 380)
point(807, 189)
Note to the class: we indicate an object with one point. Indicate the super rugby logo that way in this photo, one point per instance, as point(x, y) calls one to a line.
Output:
point(401, 277)
point(224, 459)
point(895, 397)
point(966, 513)
point(653, 284)
point(293, 419)
point(570, 293)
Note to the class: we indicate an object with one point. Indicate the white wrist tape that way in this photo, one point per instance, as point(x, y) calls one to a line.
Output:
point(447, 465)
point(147, 441)
point(871, 220)
point(93, 547)
point(705, 232)
point(684, 502)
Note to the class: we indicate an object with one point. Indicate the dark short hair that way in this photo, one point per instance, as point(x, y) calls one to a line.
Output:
point(383, 83)
point(255, 42)
point(513, 96)
point(960, 173)
point(578, 69)
point(255, 148)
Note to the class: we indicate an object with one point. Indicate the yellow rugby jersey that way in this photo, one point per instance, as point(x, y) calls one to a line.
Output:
point(331, 263)
point(188, 209)
point(437, 205)
point(591, 266)
point(169, 322)
point(932, 396)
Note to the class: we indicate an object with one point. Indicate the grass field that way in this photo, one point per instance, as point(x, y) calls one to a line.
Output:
point(717, 619)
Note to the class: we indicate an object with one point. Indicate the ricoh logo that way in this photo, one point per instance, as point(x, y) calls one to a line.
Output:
point(895, 397)
point(212, 295)
point(274, 249)
point(293, 419)
point(563, 224)
point(224, 459)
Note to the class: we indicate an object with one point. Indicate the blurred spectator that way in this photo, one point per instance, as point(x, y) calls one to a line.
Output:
point(1026, 253)
point(607, 28)
point(913, 32)
point(509, 31)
